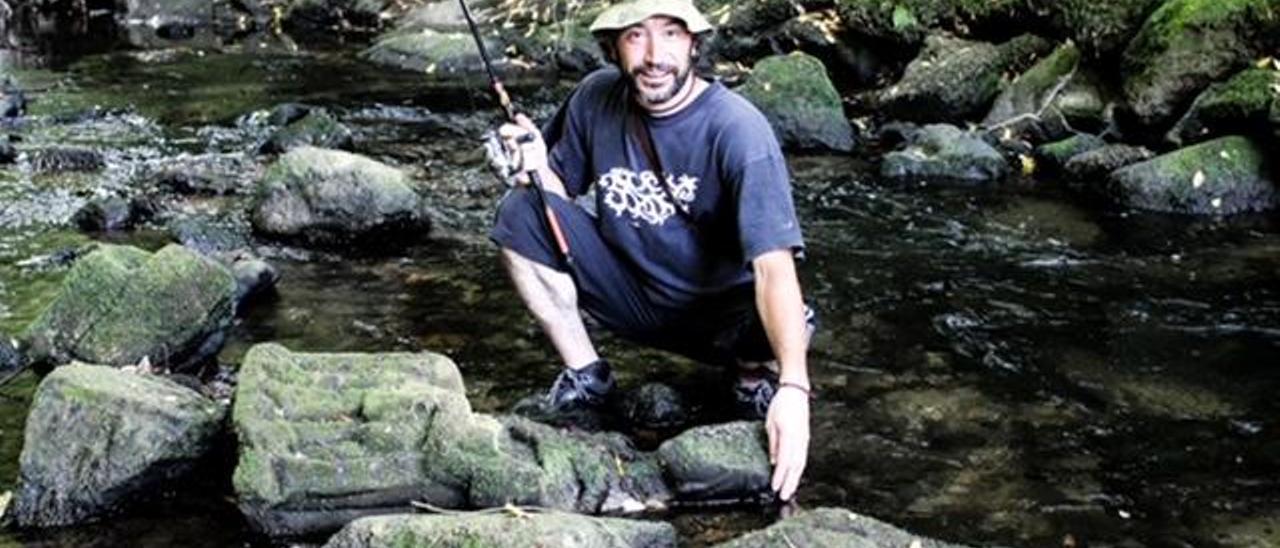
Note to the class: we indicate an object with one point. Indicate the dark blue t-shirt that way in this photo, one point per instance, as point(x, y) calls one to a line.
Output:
point(723, 166)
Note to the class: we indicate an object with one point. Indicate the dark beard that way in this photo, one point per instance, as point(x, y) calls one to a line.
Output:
point(660, 96)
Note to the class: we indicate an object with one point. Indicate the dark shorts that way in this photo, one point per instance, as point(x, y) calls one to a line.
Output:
point(720, 329)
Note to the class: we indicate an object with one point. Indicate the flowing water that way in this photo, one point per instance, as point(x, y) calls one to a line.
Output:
point(995, 366)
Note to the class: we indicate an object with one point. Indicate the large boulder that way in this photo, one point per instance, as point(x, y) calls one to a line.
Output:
point(1239, 105)
point(795, 94)
point(718, 462)
point(833, 527)
point(97, 438)
point(333, 198)
point(908, 22)
point(944, 154)
point(1100, 29)
point(432, 52)
point(1219, 177)
point(1029, 105)
point(121, 304)
point(954, 80)
point(504, 529)
point(328, 438)
point(1187, 45)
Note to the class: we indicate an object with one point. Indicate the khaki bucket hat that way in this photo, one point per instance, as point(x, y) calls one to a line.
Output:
point(631, 12)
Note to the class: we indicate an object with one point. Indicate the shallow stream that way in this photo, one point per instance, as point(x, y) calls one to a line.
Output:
point(995, 366)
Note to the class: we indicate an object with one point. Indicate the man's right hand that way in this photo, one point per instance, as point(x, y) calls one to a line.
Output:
point(525, 146)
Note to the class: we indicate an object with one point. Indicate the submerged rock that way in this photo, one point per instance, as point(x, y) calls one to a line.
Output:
point(212, 235)
point(333, 199)
point(254, 277)
point(504, 529)
point(800, 102)
point(655, 407)
point(1055, 155)
point(1219, 177)
point(317, 128)
point(10, 357)
point(111, 214)
point(833, 527)
point(1097, 164)
point(954, 80)
point(944, 154)
point(98, 439)
point(1187, 45)
point(57, 159)
point(120, 304)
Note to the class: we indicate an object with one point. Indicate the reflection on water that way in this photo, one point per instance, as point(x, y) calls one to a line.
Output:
point(995, 366)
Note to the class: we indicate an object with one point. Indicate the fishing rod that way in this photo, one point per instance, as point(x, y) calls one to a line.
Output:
point(504, 101)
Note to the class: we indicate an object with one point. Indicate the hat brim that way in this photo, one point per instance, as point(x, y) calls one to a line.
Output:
point(627, 14)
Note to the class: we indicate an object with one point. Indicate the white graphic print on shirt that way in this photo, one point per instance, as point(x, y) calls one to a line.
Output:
point(640, 196)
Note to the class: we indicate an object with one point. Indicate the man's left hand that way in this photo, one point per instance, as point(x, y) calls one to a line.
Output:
point(788, 429)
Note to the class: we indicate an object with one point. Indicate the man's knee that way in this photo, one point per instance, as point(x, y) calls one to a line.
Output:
point(519, 228)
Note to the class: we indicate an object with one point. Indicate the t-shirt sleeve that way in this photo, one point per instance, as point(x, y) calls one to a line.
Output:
point(567, 145)
point(766, 214)
point(752, 159)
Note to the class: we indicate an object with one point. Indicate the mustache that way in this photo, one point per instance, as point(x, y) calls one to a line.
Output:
point(652, 68)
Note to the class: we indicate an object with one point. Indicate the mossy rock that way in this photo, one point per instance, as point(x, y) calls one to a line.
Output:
point(432, 52)
point(1100, 29)
point(508, 530)
point(317, 128)
point(1187, 45)
point(955, 80)
point(908, 22)
point(944, 154)
point(330, 198)
point(327, 438)
point(1220, 177)
point(1027, 106)
point(342, 429)
point(1055, 155)
point(98, 439)
point(718, 462)
point(120, 304)
point(832, 527)
point(800, 102)
point(1241, 104)
point(1089, 170)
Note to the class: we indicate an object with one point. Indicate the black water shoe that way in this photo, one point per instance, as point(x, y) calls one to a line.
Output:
point(585, 387)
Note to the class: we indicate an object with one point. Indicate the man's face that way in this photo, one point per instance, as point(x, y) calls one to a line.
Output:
point(657, 58)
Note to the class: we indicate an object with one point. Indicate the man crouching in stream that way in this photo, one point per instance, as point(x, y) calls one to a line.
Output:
point(692, 241)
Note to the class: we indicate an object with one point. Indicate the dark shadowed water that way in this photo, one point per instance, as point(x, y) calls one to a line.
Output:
point(995, 366)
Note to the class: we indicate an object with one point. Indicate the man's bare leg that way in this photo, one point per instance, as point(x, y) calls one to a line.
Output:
point(553, 299)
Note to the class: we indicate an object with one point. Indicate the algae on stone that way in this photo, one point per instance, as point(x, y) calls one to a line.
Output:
point(120, 304)
point(507, 530)
point(97, 438)
point(800, 102)
point(1187, 45)
point(1220, 177)
point(1242, 103)
point(833, 527)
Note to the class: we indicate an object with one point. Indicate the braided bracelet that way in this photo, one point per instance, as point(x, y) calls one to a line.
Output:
point(797, 386)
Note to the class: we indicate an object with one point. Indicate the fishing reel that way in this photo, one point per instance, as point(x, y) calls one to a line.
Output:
point(505, 161)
